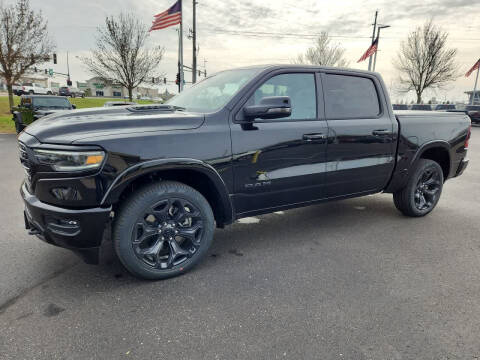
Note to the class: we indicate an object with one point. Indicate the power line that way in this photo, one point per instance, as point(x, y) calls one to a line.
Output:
point(265, 34)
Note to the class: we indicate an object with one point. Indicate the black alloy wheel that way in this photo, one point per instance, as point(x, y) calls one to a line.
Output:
point(163, 230)
point(428, 189)
point(168, 233)
point(423, 190)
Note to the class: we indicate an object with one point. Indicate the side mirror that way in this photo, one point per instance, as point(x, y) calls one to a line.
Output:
point(74, 106)
point(272, 107)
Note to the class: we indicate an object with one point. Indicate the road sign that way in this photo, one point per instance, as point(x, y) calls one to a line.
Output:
point(50, 72)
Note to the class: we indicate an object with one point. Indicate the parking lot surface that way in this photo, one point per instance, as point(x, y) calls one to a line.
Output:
point(345, 280)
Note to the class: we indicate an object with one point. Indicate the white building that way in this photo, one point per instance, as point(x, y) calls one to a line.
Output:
point(97, 87)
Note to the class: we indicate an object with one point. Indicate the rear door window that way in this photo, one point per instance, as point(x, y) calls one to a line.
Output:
point(350, 97)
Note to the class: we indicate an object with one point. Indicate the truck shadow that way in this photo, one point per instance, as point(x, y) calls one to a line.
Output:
point(271, 232)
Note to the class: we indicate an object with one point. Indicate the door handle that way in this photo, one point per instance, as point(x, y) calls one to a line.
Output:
point(313, 137)
point(381, 132)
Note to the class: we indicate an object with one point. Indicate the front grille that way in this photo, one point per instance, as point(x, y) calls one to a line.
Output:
point(26, 164)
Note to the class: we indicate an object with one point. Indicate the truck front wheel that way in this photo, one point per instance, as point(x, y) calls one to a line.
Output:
point(163, 230)
point(423, 190)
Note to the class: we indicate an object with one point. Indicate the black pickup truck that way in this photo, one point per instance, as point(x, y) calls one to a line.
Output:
point(157, 179)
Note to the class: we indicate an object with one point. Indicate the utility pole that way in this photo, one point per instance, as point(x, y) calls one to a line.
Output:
point(194, 43)
point(373, 39)
point(180, 50)
point(380, 27)
point(472, 101)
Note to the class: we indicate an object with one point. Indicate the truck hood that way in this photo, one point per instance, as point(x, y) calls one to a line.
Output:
point(66, 127)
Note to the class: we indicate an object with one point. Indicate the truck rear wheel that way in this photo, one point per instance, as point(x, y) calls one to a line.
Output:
point(163, 230)
point(423, 190)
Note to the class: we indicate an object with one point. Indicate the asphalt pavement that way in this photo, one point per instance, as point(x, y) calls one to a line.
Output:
point(346, 280)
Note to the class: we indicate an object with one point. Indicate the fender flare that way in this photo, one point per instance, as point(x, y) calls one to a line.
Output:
point(144, 168)
point(429, 145)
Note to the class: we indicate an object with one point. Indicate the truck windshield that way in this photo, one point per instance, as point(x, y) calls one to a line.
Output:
point(214, 92)
point(51, 103)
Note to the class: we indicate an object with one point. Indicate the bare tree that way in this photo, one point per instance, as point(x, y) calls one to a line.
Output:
point(24, 42)
point(121, 56)
point(324, 53)
point(425, 61)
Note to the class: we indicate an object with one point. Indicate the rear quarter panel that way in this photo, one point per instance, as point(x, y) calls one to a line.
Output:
point(420, 131)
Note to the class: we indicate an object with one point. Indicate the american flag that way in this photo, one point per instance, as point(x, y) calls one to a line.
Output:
point(370, 51)
point(170, 17)
point(474, 67)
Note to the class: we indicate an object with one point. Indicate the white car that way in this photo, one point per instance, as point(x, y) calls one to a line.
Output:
point(33, 88)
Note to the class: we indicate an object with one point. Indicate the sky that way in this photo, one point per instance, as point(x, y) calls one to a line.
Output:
point(239, 33)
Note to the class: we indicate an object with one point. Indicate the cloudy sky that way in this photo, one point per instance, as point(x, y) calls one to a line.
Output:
point(237, 33)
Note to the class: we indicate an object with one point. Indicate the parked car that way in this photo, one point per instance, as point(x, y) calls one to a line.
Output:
point(424, 107)
point(156, 179)
point(473, 111)
point(118, 103)
point(71, 92)
point(444, 107)
point(400, 107)
point(33, 88)
point(33, 107)
point(17, 89)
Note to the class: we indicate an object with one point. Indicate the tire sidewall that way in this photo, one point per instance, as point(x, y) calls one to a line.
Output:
point(423, 165)
point(124, 227)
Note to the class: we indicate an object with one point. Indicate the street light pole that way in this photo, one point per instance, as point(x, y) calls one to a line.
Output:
point(373, 39)
point(378, 41)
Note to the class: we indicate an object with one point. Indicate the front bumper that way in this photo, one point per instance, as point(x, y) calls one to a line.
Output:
point(79, 230)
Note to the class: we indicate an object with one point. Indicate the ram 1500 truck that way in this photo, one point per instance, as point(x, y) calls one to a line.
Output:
point(157, 179)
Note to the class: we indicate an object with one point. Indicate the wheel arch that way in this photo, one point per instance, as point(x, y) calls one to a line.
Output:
point(195, 173)
point(438, 151)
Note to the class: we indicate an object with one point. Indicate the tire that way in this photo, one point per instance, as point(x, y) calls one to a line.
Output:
point(31, 92)
point(49, 93)
point(73, 95)
point(148, 234)
point(423, 190)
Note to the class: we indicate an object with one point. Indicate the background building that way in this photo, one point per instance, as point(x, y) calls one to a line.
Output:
point(97, 87)
point(476, 99)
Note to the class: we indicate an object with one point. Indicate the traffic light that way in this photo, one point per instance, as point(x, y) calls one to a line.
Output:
point(46, 72)
point(69, 82)
point(35, 69)
point(177, 80)
point(54, 58)
point(50, 72)
point(164, 80)
point(153, 80)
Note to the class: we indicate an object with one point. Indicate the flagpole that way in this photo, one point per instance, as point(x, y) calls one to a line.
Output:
point(180, 45)
point(472, 102)
point(373, 39)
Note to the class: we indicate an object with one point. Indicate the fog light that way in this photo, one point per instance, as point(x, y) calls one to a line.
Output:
point(66, 193)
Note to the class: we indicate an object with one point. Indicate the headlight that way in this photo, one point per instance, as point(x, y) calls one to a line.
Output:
point(70, 160)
